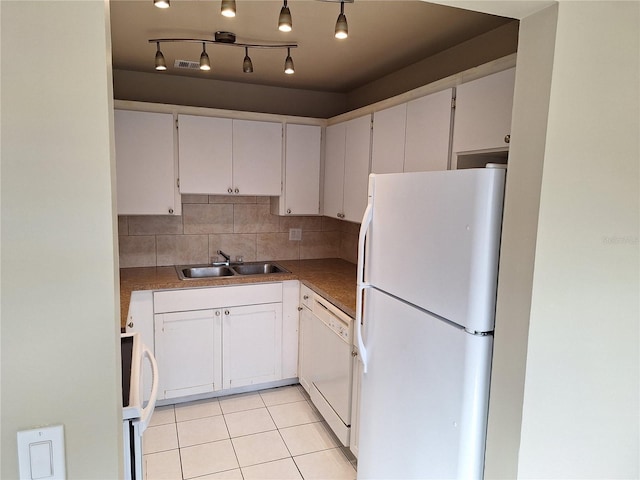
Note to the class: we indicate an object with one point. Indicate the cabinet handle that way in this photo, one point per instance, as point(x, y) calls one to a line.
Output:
point(130, 324)
point(171, 211)
point(237, 190)
point(230, 190)
point(354, 353)
point(217, 313)
point(507, 138)
point(306, 297)
point(226, 312)
point(288, 210)
point(299, 309)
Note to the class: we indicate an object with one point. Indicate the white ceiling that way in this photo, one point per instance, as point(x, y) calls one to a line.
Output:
point(384, 36)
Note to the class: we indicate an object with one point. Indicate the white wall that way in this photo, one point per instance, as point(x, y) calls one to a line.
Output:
point(580, 414)
point(59, 329)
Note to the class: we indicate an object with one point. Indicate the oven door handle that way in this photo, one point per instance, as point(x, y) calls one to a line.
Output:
point(151, 405)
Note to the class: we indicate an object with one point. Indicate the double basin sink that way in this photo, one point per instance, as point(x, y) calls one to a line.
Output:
point(191, 272)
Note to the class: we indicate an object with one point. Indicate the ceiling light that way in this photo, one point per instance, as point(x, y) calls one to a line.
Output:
point(288, 64)
point(161, 3)
point(204, 60)
point(228, 8)
point(284, 21)
point(247, 64)
point(160, 63)
point(342, 29)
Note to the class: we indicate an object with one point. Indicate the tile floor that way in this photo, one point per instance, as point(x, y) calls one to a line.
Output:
point(271, 434)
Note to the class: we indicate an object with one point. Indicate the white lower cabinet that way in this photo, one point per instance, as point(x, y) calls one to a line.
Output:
point(355, 404)
point(251, 344)
point(304, 355)
point(188, 352)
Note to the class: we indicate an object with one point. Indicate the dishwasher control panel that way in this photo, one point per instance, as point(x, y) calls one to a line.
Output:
point(339, 322)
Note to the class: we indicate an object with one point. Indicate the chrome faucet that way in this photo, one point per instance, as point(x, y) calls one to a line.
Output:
point(226, 257)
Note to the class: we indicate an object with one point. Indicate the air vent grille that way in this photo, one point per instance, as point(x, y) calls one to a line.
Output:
point(187, 64)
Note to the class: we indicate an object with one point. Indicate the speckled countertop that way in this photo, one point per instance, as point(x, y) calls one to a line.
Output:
point(333, 278)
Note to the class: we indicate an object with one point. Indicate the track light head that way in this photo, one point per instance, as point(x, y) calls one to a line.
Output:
point(160, 63)
point(204, 60)
point(162, 3)
point(284, 21)
point(288, 63)
point(228, 8)
point(342, 29)
point(247, 64)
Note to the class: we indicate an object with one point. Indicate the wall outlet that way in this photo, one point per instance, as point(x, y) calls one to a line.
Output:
point(295, 234)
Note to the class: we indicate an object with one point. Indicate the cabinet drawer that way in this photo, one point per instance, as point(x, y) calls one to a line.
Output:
point(306, 296)
point(216, 297)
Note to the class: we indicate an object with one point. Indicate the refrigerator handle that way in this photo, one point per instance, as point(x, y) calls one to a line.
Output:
point(364, 229)
point(151, 405)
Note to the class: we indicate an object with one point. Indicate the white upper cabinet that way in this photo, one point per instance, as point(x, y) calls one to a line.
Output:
point(428, 132)
point(225, 156)
point(483, 113)
point(346, 180)
point(413, 136)
point(145, 163)
point(301, 189)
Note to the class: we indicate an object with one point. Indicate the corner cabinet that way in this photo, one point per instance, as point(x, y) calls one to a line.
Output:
point(223, 156)
point(146, 166)
point(483, 113)
point(301, 179)
point(346, 174)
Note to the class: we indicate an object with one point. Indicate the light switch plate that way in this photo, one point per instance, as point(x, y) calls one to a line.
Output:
point(41, 453)
point(295, 234)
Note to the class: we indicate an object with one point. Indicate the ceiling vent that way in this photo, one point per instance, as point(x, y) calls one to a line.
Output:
point(187, 65)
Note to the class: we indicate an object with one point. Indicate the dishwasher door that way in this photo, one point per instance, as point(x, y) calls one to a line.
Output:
point(332, 361)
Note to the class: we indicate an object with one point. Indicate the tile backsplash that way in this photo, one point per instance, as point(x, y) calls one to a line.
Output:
point(239, 226)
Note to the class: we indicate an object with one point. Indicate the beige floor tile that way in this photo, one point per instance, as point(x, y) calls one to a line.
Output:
point(162, 416)
point(159, 439)
point(259, 448)
point(284, 469)
point(163, 465)
point(234, 474)
point(277, 396)
point(237, 403)
point(249, 422)
point(202, 430)
point(290, 414)
point(308, 438)
point(208, 458)
point(198, 409)
point(328, 464)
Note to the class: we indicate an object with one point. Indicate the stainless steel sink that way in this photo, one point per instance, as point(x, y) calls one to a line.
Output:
point(258, 268)
point(204, 271)
point(189, 272)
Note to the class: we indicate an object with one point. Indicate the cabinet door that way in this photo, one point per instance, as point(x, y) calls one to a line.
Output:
point(302, 170)
point(252, 344)
point(483, 112)
point(146, 179)
point(257, 158)
point(428, 132)
point(204, 152)
point(388, 150)
point(304, 352)
point(356, 167)
point(290, 327)
point(334, 170)
point(140, 320)
point(188, 352)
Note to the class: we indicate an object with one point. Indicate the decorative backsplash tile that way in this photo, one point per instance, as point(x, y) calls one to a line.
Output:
point(239, 226)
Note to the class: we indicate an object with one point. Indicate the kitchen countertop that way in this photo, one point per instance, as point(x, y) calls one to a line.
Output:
point(333, 278)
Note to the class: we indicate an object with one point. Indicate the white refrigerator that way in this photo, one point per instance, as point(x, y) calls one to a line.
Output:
point(427, 277)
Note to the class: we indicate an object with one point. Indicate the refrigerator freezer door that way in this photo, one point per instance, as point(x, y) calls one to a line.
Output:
point(434, 242)
point(424, 400)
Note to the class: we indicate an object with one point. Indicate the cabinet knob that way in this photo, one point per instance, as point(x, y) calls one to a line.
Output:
point(217, 313)
point(171, 211)
point(306, 297)
point(230, 190)
point(288, 210)
point(507, 138)
point(226, 312)
point(237, 190)
point(130, 324)
point(299, 309)
point(354, 353)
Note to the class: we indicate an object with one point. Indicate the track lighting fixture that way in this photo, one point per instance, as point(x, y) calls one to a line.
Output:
point(342, 29)
point(204, 59)
point(228, 8)
point(288, 63)
point(227, 39)
point(160, 63)
point(284, 21)
point(247, 64)
point(162, 3)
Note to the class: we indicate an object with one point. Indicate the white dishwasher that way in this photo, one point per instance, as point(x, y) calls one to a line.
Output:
point(332, 366)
